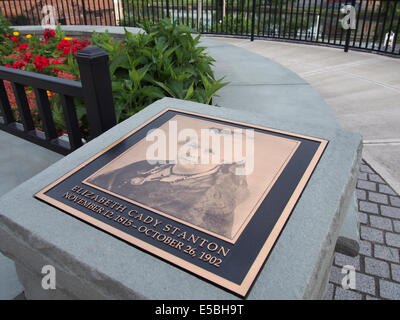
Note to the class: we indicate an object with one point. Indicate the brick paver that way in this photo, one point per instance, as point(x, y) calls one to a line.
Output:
point(378, 264)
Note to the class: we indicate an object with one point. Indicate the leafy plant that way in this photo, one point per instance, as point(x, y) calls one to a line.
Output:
point(164, 60)
point(52, 54)
point(6, 46)
point(4, 26)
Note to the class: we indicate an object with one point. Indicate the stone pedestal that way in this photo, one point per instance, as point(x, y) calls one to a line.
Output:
point(91, 264)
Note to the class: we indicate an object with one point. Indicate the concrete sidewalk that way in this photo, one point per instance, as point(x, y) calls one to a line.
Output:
point(362, 89)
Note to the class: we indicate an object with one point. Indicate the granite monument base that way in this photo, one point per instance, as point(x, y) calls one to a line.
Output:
point(91, 264)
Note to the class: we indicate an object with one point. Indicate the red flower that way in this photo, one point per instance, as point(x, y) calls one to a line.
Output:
point(7, 35)
point(49, 34)
point(23, 47)
point(75, 49)
point(83, 44)
point(27, 57)
point(55, 62)
point(66, 50)
point(14, 39)
point(41, 62)
point(66, 46)
point(64, 43)
point(18, 65)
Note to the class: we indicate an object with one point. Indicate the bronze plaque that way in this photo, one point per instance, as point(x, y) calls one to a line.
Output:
point(207, 194)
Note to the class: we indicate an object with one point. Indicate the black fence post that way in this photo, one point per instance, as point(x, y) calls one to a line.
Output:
point(253, 20)
point(168, 9)
point(348, 31)
point(96, 84)
point(84, 12)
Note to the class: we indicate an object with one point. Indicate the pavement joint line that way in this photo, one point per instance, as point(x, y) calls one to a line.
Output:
point(382, 84)
point(338, 67)
point(350, 74)
point(243, 43)
point(393, 141)
point(244, 84)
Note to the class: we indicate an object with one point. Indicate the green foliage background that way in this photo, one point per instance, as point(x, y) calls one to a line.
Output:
point(165, 60)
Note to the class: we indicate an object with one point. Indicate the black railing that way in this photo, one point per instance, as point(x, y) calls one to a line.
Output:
point(94, 89)
point(375, 23)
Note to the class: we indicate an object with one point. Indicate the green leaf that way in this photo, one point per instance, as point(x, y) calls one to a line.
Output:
point(168, 90)
point(190, 91)
point(153, 92)
point(177, 87)
point(120, 61)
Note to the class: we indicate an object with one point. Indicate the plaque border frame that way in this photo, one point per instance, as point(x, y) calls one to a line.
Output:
point(241, 289)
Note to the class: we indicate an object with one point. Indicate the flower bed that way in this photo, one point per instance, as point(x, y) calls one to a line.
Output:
point(163, 61)
point(52, 54)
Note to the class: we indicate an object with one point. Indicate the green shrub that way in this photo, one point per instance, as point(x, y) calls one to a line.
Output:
point(4, 26)
point(6, 46)
point(163, 61)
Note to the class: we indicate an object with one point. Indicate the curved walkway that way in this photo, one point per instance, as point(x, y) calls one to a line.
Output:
point(362, 90)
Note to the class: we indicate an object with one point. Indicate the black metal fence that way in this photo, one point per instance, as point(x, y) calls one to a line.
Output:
point(94, 89)
point(373, 25)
